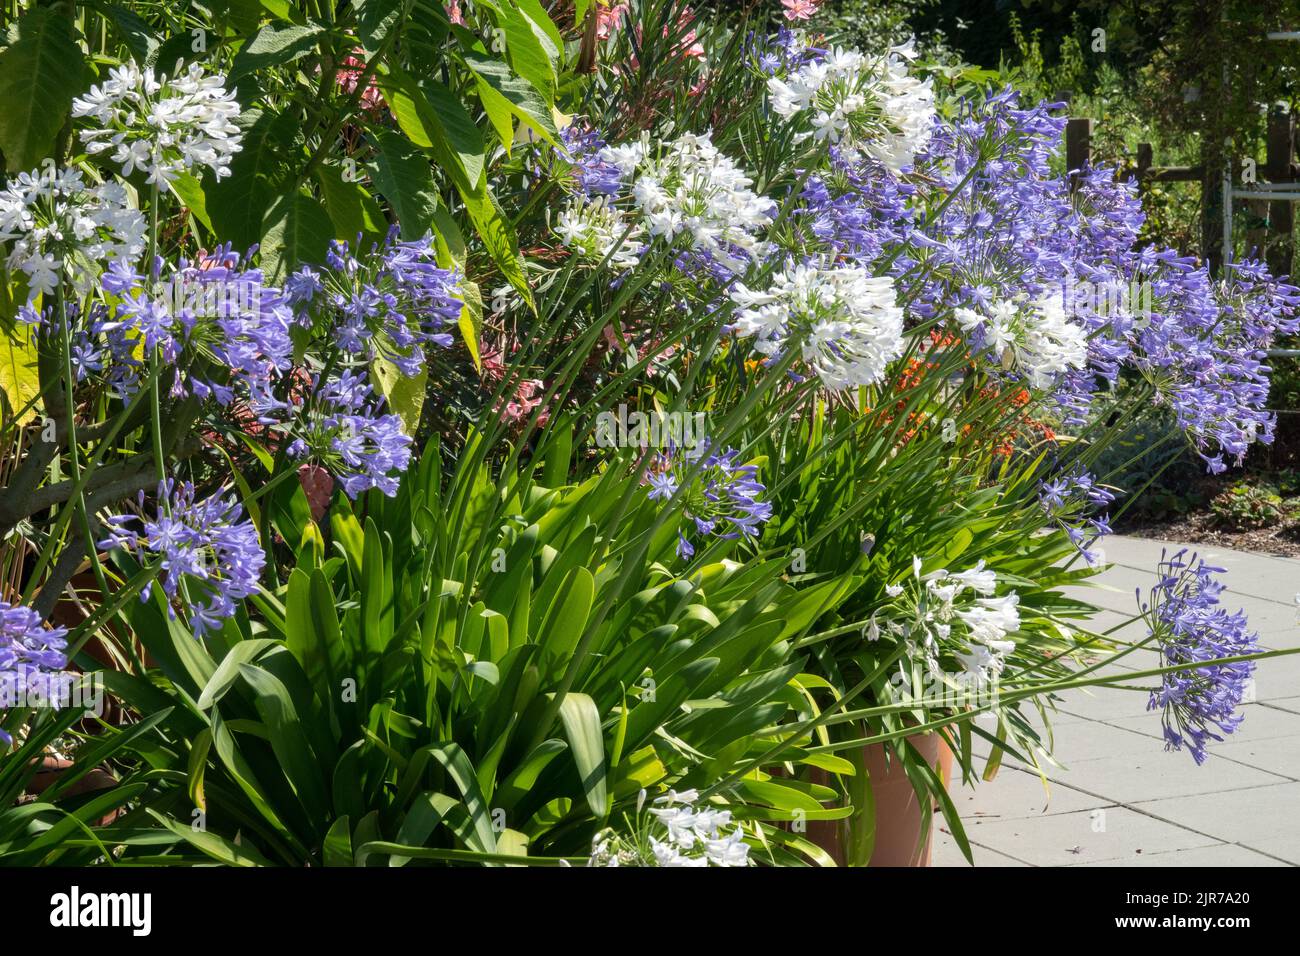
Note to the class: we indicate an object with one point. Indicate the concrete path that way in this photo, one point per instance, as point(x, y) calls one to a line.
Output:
point(1121, 799)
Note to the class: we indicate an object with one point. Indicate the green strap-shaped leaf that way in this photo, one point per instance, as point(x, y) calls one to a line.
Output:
point(41, 71)
point(211, 844)
point(461, 771)
point(581, 722)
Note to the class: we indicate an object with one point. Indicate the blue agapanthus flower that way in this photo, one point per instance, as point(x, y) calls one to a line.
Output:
point(721, 497)
point(394, 302)
point(1190, 627)
point(344, 427)
point(32, 659)
point(592, 175)
point(209, 555)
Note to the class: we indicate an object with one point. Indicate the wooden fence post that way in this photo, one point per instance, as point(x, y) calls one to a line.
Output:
point(1279, 248)
point(1078, 146)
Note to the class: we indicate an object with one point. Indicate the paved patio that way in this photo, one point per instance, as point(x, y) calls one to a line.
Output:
point(1122, 800)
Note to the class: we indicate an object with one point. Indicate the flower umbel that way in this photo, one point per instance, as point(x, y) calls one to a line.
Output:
point(721, 496)
point(162, 125)
point(847, 323)
point(1183, 615)
point(208, 554)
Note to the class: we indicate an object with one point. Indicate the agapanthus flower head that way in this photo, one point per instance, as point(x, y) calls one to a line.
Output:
point(231, 326)
point(1033, 337)
point(208, 554)
point(593, 175)
point(57, 228)
point(1183, 614)
point(688, 191)
point(1203, 346)
point(856, 210)
point(32, 659)
point(874, 106)
point(162, 125)
point(674, 832)
point(950, 615)
point(599, 233)
point(342, 426)
point(722, 498)
point(846, 322)
point(393, 302)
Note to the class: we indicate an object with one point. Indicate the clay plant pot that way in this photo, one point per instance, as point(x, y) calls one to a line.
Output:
point(53, 768)
point(898, 813)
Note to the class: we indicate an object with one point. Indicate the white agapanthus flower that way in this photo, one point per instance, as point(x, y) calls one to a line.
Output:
point(872, 106)
point(1035, 337)
point(955, 613)
point(594, 228)
point(687, 189)
point(846, 321)
point(56, 226)
point(680, 834)
point(161, 125)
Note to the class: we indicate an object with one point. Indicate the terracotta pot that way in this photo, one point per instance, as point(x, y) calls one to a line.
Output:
point(898, 812)
point(52, 768)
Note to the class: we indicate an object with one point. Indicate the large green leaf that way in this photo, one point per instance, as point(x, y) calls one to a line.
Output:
point(435, 119)
point(404, 393)
point(238, 203)
point(139, 37)
point(375, 20)
point(190, 192)
point(41, 71)
point(402, 174)
point(532, 48)
point(499, 238)
point(274, 46)
point(352, 210)
point(505, 95)
point(20, 382)
point(297, 229)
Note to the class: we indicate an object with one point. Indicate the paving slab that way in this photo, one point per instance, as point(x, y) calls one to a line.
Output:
point(1156, 773)
point(1120, 799)
point(1263, 819)
point(1015, 793)
point(1063, 839)
point(1261, 722)
point(1221, 854)
point(945, 852)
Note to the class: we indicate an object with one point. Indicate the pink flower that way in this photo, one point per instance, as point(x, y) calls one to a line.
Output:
point(608, 19)
point(800, 9)
point(318, 486)
point(527, 397)
point(454, 14)
point(349, 75)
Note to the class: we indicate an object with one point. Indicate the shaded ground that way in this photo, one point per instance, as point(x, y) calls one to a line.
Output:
point(1282, 540)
